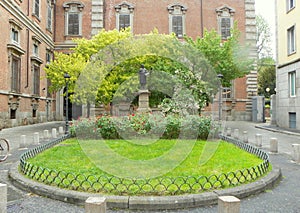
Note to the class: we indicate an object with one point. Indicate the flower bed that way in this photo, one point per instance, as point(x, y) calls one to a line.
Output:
point(164, 127)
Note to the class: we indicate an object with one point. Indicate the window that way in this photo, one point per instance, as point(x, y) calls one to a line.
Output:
point(49, 17)
point(13, 113)
point(35, 49)
point(73, 24)
point(225, 21)
point(292, 120)
point(14, 36)
point(36, 45)
point(292, 84)
point(73, 18)
point(290, 4)
point(15, 29)
point(124, 21)
point(124, 15)
point(36, 80)
point(15, 74)
point(291, 40)
point(34, 113)
point(36, 8)
point(177, 25)
point(225, 28)
point(226, 93)
point(48, 85)
point(48, 56)
point(177, 19)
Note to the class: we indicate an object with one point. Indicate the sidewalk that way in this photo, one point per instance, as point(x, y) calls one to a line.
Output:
point(20, 201)
point(283, 198)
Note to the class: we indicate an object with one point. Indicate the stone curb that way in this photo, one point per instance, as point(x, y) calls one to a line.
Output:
point(277, 130)
point(144, 202)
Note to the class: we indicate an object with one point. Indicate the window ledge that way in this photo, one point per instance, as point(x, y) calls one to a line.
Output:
point(291, 53)
point(16, 48)
point(290, 9)
point(36, 16)
point(36, 59)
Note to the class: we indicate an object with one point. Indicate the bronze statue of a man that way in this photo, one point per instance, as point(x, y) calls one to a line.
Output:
point(143, 77)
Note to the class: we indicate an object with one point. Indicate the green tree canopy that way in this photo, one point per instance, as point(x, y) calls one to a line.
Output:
point(228, 57)
point(100, 65)
point(266, 77)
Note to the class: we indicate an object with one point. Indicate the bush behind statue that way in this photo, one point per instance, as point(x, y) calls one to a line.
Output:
point(143, 125)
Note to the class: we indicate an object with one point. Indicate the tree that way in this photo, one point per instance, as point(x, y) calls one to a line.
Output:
point(266, 77)
point(75, 62)
point(263, 39)
point(226, 57)
point(111, 58)
point(160, 54)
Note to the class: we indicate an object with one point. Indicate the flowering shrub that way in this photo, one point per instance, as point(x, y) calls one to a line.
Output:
point(145, 125)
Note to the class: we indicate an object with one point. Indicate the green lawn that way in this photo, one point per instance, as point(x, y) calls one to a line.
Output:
point(68, 156)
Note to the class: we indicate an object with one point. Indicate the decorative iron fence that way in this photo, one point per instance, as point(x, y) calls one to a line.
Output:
point(153, 186)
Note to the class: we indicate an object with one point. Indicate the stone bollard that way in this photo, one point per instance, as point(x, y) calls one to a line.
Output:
point(245, 136)
point(36, 138)
point(229, 204)
point(258, 138)
point(236, 133)
point(54, 133)
point(23, 142)
point(274, 145)
point(3, 198)
point(228, 133)
point(296, 152)
point(61, 130)
point(95, 204)
point(46, 134)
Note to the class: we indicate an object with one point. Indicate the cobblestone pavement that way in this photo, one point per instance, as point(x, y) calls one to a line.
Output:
point(284, 198)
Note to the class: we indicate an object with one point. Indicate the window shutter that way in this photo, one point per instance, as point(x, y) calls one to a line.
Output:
point(177, 25)
point(73, 25)
point(225, 27)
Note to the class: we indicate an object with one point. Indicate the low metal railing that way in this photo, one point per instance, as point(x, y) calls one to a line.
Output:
point(154, 186)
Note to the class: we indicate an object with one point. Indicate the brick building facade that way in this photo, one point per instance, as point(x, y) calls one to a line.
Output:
point(192, 17)
point(26, 47)
point(33, 29)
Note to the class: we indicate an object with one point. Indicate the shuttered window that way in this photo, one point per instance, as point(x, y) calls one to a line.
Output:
point(73, 24)
point(15, 74)
point(124, 21)
point(49, 18)
point(36, 80)
point(177, 26)
point(225, 27)
point(37, 8)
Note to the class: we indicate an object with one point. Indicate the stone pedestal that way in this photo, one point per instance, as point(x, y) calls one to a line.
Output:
point(54, 133)
point(23, 142)
point(3, 198)
point(144, 101)
point(258, 138)
point(236, 133)
point(228, 133)
point(228, 204)
point(61, 130)
point(36, 138)
point(245, 137)
point(95, 205)
point(274, 145)
point(296, 152)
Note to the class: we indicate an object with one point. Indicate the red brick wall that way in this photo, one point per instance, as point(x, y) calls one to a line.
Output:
point(154, 14)
point(60, 21)
point(30, 26)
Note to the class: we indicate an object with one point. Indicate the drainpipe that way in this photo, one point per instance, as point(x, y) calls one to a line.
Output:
point(201, 17)
point(27, 59)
